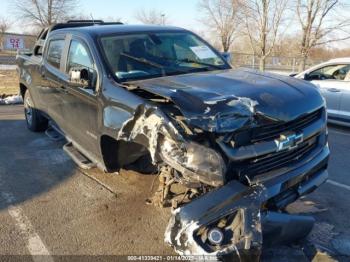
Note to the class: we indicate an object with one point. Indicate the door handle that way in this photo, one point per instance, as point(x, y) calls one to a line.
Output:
point(334, 90)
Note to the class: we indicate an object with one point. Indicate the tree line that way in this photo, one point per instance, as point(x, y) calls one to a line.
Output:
point(267, 25)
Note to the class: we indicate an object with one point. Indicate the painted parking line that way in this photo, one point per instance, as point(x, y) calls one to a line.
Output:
point(35, 245)
point(338, 184)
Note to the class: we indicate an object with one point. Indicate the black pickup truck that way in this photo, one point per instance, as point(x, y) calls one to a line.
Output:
point(232, 148)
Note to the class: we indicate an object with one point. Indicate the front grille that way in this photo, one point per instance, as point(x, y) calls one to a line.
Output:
point(273, 161)
point(273, 131)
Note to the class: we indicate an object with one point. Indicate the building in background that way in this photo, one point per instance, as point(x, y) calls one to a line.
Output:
point(10, 43)
point(14, 42)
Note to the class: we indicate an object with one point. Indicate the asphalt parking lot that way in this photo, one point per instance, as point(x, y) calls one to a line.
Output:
point(50, 207)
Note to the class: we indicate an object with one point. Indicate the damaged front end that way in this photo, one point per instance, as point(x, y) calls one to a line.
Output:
point(226, 181)
point(233, 222)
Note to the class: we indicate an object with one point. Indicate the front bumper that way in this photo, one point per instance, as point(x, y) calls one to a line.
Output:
point(251, 204)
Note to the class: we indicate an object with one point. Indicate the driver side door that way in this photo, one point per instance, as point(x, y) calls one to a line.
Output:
point(80, 107)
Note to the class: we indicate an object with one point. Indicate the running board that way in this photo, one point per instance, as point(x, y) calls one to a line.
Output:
point(81, 160)
point(54, 134)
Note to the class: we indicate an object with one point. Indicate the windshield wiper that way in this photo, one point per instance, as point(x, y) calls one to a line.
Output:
point(145, 61)
point(187, 60)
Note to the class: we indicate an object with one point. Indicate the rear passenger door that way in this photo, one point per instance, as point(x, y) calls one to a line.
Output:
point(80, 109)
point(52, 76)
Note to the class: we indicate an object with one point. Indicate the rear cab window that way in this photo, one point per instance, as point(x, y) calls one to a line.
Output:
point(54, 52)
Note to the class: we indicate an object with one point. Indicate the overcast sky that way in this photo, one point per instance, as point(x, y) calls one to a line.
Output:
point(183, 13)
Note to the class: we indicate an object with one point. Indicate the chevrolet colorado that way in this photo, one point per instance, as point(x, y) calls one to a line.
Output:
point(232, 147)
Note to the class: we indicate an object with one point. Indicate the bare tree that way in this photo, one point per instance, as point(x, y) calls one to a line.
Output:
point(321, 22)
point(263, 21)
point(5, 25)
point(152, 17)
point(42, 13)
point(221, 18)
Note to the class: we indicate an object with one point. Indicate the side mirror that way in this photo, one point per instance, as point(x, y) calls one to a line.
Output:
point(293, 74)
point(227, 56)
point(306, 77)
point(82, 77)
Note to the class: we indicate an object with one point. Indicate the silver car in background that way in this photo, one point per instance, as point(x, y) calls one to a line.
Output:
point(333, 80)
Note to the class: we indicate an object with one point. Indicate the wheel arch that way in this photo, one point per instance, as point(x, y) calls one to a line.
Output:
point(22, 89)
point(119, 153)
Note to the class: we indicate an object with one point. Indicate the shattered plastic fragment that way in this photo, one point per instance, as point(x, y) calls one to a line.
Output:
point(234, 200)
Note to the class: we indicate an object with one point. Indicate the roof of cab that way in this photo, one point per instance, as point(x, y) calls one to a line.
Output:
point(98, 30)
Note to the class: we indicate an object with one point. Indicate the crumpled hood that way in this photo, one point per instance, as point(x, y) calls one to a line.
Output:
point(223, 101)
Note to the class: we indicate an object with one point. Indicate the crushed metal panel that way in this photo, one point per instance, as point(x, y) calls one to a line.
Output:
point(146, 126)
point(215, 113)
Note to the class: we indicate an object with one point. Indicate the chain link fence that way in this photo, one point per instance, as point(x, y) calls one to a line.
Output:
point(6, 59)
point(281, 64)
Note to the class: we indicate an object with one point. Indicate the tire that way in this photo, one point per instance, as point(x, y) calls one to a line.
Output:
point(35, 121)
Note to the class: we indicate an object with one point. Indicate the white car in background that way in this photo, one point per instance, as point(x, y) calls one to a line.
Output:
point(333, 80)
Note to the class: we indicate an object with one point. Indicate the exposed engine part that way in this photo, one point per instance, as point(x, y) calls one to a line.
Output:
point(174, 191)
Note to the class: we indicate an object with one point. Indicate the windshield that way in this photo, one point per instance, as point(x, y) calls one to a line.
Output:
point(144, 55)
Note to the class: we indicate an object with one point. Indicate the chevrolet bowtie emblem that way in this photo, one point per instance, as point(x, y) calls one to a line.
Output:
point(289, 141)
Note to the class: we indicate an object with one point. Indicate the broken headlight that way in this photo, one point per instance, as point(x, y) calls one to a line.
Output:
point(196, 162)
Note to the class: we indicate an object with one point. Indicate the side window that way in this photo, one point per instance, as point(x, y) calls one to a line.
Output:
point(78, 56)
point(54, 52)
point(335, 72)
